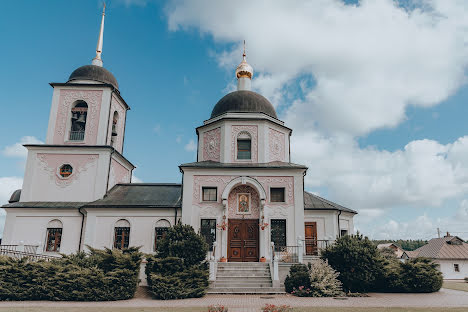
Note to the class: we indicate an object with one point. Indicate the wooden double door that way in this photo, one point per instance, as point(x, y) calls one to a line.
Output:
point(243, 240)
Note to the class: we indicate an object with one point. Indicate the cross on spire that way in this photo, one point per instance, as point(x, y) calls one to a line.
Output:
point(97, 59)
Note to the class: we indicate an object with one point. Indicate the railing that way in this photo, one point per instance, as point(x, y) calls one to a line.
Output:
point(23, 248)
point(287, 254)
point(21, 254)
point(77, 135)
point(314, 247)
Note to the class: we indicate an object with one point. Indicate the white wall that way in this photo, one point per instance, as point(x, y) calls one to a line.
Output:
point(448, 271)
point(100, 223)
point(326, 223)
point(29, 226)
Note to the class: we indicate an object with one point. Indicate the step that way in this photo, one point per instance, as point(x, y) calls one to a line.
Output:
point(246, 290)
point(243, 278)
point(240, 285)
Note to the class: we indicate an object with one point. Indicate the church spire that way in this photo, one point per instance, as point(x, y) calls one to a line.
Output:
point(97, 59)
point(244, 73)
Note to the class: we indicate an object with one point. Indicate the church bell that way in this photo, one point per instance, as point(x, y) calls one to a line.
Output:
point(114, 132)
point(75, 116)
point(81, 119)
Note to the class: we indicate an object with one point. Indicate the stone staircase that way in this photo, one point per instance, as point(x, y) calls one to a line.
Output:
point(243, 278)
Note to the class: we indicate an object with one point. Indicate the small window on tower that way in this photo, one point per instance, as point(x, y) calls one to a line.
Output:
point(209, 193)
point(456, 267)
point(244, 149)
point(66, 171)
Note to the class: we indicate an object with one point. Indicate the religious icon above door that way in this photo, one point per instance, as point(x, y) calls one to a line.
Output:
point(243, 203)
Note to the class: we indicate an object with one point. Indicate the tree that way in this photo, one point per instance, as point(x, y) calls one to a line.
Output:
point(181, 241)
point(324, 280)
point(357, 260)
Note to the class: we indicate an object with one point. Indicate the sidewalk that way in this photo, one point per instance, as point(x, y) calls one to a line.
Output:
point(443, 298)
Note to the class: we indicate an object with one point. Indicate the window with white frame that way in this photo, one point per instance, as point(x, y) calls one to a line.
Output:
point(209, 193)
point(160, 230)
point(54, 236)
point(277, 194)
point(121, 234)
point(456, 267)
point(244, 146)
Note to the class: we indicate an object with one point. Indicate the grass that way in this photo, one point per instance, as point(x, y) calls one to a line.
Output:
point(198, 309)
point(461, 285)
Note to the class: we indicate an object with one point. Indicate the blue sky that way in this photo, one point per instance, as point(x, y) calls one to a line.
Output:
point(375, 91)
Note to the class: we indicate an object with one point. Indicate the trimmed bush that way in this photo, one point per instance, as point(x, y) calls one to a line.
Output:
point(298, 277)
point(100, 275)
point(419, 275)
point(358, 261)
point(178, 270)
point(181, 241)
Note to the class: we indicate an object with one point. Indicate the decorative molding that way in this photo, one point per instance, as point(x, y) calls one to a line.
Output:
point(254, 203)
point(212, 145)
point(67, 97)
point(252, 131)
point(210, 211)
point(276, 148)
point(276, 211)
point(199, 181)
point(80, 163)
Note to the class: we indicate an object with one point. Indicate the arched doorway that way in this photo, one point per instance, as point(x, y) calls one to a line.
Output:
point(243, 202)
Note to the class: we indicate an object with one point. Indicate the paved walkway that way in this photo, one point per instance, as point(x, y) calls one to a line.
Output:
point(443, 298)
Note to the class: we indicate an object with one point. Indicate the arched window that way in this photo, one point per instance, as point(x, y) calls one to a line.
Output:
point(115, 120)
point(54, 236)
point(78, 121)
point(244, 145)
point(160, 231)
point(121, 234)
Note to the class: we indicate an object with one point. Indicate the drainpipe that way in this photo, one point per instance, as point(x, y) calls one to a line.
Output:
point(81, 231)
point(339, 229)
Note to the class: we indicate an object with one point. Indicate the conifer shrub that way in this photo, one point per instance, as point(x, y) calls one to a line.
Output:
point(358, 261)
point(179, 269)
point(297, 278)
point(419, 275)
point(99, 275)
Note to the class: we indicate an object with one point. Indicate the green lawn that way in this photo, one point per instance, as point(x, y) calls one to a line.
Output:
point(187, 309)
point(462, 285)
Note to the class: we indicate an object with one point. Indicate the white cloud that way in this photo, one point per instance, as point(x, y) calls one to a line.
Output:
point(7, 186)
point(370, 61)
point(135, 179)
point(18, 150)
point(191, 146)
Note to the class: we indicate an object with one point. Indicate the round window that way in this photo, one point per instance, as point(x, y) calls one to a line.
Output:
point(66, 171)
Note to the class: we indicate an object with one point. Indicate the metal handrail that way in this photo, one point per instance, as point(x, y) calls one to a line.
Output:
point(26, 248)
point(313, 247)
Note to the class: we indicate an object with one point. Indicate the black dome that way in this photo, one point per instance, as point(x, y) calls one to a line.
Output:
point(243, 102)
point(95, 73)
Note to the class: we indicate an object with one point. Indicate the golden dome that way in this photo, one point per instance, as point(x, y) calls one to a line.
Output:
point(244, 70)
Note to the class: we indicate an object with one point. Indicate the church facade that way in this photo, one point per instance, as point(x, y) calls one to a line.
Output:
point(243, 194)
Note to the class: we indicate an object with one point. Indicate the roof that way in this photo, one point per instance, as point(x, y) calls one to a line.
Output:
point(36, 204)
point(449, 247)
point(244, 101)
point(140, 195)
point(15, 197)
point(269, 165)
point(94, 73)
point(388, 245)
point(314, 202)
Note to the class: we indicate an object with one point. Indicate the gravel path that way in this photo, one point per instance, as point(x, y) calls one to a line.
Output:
point(443, 298)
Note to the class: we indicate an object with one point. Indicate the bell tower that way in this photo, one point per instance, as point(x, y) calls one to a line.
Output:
point(82, 157)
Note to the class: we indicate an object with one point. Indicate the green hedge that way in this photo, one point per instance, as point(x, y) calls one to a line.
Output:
point(100, 275)
point(179, 269)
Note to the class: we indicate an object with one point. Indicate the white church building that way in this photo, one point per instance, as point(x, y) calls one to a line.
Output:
point(242, 194)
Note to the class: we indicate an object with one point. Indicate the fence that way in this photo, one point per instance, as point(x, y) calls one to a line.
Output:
point(313, 247)
point(288, 254)
point(29, 251)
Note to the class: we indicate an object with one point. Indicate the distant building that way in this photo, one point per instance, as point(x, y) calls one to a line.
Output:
point(450, 252)
point(396, 249)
